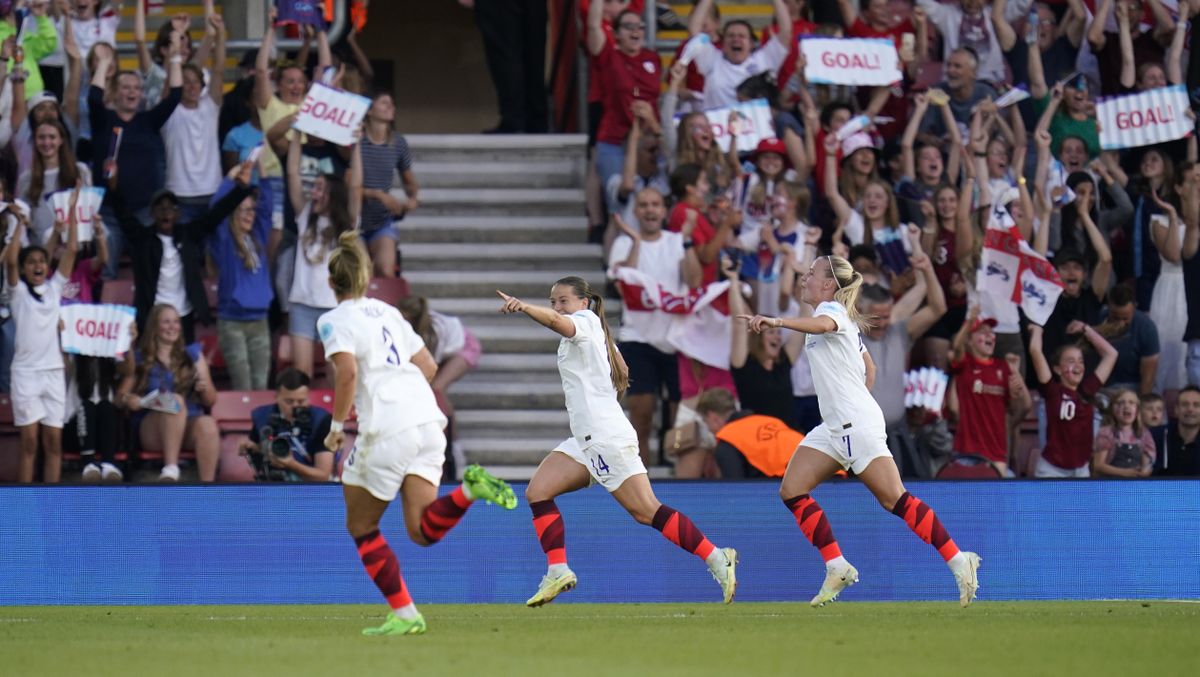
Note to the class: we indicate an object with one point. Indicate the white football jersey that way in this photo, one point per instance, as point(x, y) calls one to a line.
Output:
point(585, 370)
point(392, 393)
point(839, 373)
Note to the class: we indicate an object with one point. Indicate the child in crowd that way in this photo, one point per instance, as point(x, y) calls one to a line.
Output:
point(1124, 447)
point(1153, 417)
point(1070, 413)
point(38, 381)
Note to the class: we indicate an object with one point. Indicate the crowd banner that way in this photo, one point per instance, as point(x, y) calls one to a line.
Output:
point(95, 329)
point(851, 61)
point(751, 122)
point(86, 209)
point(1145, 118)
point(332, 114)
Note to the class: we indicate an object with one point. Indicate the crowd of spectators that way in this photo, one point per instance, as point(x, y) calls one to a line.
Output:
point(222, 218)
point(1110, 379)
point(217, 221)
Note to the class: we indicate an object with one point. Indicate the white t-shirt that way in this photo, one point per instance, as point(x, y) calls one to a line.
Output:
point(170, 278)
point(392, 393)
point(451, 335)
point(43, 213)
point(101, 28)
point(592, 403)
point(722, 77)
point(839, 373)
point(193, 150)
point(310, 281)
point(661, 259)
point(37, 326)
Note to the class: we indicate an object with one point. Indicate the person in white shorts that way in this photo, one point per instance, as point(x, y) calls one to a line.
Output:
point(603, 447)
point(383, 368)
point(39, 386)
point(851, 435)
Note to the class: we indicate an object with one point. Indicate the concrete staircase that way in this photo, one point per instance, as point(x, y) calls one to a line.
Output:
point(501, 212)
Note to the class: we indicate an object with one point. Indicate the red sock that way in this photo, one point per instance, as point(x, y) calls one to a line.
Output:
point(548, 523)
point(924, 523)
point(811, 520)
point(678, 529)
point(441, 515)
point(383, 568)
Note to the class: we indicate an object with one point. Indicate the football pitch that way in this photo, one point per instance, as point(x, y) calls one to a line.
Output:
point(849, 638)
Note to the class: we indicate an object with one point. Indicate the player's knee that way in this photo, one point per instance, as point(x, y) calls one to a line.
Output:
point(417, 536)
point(534, 494)
point(360, 527)
point(643, 516)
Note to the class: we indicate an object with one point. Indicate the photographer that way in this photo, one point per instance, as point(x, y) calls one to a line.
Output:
point(287, 438)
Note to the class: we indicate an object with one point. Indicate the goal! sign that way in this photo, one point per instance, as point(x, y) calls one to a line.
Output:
point(851, 61)
point(1145, 118)
point(332, 114)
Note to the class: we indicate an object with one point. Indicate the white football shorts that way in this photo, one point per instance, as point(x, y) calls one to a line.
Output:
point(39, 396)
point(854, 447)
point(380, 464)
point(609, 463)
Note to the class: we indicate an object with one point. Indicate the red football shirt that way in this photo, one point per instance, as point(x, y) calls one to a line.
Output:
point(703, 233)
point(800, 27)
point(595, 87)
point(860, 29)
point(626, 79)
point(1069, 422)
point(982, 389)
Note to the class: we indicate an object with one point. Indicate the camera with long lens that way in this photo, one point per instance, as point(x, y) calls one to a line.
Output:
point(280, 438)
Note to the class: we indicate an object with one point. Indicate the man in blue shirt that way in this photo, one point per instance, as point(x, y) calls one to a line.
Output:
point(293, 427)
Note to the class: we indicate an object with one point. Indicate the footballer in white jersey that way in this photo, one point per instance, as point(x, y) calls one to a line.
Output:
point(852, 434)
point(380, 364)
point(603, 447)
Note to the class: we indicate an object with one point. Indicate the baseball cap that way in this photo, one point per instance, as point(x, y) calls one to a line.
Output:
point(1068, 255)
point(980, 322)
point(856, 142)
point(163, 194)
point(772, 146)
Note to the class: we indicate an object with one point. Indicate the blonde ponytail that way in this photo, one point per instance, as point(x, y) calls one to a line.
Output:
point(849, 282)
point(349, 266)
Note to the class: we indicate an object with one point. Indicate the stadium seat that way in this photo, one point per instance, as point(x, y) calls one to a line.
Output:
point(118, 291)
point(968, 466)
point(390, 290)
point(232, 409)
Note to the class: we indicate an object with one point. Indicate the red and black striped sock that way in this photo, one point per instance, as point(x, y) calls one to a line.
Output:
point(383, 568)
point(441, 515)
point(811, 520)
point(925, 523)
point(551, 533)
point(678, 529)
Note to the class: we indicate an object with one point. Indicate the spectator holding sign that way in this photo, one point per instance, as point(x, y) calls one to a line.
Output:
point(38, 383)
point(332, 208)
point(876, 21)
point(54, 168)
point(725, 68)
point(164, 364)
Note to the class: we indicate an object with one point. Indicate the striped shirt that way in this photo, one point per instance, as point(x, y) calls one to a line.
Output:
point(378, 162)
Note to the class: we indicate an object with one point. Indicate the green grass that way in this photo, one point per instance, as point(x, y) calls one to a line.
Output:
point(990, 638)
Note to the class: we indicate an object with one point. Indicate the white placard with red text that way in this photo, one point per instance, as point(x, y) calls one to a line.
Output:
point(752, 123)
point(851, 61)
point(86, 209)
point(1145, 118)
point(94, 329)
point(332, 114)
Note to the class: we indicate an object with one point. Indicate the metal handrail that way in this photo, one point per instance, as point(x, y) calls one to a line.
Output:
point(336, 29)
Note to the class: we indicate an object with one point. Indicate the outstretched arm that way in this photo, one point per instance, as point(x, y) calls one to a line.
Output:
point(546, 317)
point(1095, 34)
point(1004, 30)
point(1036, 358)
point(695, 19)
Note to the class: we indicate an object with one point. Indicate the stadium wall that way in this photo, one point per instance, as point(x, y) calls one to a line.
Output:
point(286, 544)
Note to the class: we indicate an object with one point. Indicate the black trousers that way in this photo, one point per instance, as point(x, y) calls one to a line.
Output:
point(93, 432)
point(514, 44)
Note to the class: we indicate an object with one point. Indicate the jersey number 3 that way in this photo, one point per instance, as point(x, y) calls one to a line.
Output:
point(390, 344)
